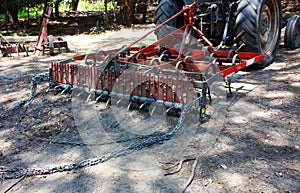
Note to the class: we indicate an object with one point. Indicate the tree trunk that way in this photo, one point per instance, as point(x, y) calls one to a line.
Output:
point(56, 9)
point(106, 13)
point(127, 11)
point(74, 5)
point(11, 11)
point(131, 4)
point(142, 9)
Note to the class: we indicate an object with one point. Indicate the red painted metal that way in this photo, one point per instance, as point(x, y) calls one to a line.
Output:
point(169, 74)
point(43, 36)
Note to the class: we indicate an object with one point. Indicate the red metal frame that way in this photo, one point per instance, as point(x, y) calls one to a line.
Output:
point(43, 36)
point(243, 59)
point(173, 81)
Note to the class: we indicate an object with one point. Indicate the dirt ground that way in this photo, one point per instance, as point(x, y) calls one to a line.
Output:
point(249, 144)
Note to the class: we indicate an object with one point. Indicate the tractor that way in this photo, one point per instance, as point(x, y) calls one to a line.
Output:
point(242, 25)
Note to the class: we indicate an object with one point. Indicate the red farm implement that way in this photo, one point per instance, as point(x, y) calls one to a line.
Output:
point(174, 71)
point(10, 44)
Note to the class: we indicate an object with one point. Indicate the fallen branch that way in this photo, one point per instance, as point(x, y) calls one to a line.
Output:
point(192, 175)
point(8, 189)
point(179, 166)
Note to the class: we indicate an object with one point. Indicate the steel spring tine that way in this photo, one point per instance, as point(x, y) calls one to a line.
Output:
point(80, 93)
point(142, 105)
point(64, 91)
point(67, 88)
point(99, 97)
point(170, 108)
point(129, 105)
point(56, 91)
point(48, 88)
point(108, 101)
point(89, 97)
point(152, 111)
point(71, 92)
point(118, 102)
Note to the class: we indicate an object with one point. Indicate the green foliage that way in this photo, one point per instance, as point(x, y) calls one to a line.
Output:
point(36, 7)
point(23, 14)
point(85, 5)
point(33, 12)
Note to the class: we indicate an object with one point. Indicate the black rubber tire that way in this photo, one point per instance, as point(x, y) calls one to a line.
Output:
point(292, 33)
point(249, 30)
point(165, 10)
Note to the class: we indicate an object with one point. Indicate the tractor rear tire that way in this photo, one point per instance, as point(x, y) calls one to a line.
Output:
point(257, 28)
point(164, 11)
point(292, 33)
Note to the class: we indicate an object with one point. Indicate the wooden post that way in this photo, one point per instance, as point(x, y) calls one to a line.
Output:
point(106, 13)
point(43, 31)
point(51, 45)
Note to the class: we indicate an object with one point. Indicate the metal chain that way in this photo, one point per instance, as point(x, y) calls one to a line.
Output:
point(14, 173)
point(33, 86)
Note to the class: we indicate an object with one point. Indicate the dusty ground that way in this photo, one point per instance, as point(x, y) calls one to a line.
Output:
point(250, 143)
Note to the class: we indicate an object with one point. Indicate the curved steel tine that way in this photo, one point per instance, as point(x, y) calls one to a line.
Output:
point(99, 97)
point(64, 91)
point(80, 93)
point(142, 105)
point(108, 102)
point(56, 91)
point(129, 105)
point(89, 97)
point(170, 108)
point(71, 92)
point(50, 87)
point(152, 111)
point(67, 88)
point(118, 102)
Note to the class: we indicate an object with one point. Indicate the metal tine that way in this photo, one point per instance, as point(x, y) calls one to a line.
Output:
point(68, 87)
point(80, 93)
point(92, 91)
point(89, 97)
point(71, 92)
point(108, 101)
point(118, 102)
point(64, 91)
point(50, 87)
point(142, 105)
point(152, 111)
point(58, 87)
point(129, 105)
point(170, 108)
point(56, 91)
point(99, 97)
